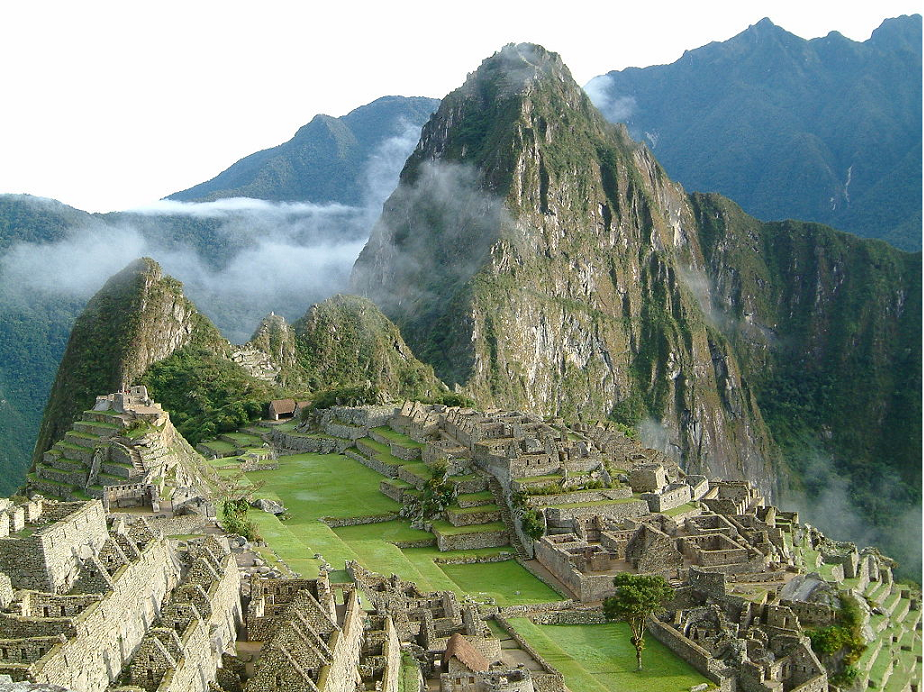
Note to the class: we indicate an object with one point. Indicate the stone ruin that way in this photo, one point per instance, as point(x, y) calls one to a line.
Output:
point(93, 607)
point(450, 641)
point(125, 452)
point(80, 598)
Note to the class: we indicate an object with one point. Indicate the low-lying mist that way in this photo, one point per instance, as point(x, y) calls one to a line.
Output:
point(238, 258)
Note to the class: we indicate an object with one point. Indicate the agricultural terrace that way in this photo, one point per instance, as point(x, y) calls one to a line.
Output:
point(317, 486)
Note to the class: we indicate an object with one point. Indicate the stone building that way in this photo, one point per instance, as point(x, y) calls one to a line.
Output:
point(308, 642)
point(586, 552)
point(122, 452)
point(466, 669)
point(77, 601)
point(198, 624)
point(739, 644)
point(280, 409)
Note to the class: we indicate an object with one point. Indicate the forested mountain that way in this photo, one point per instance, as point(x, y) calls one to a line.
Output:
point(825, 130)
point(140, 327)
point(538, 256)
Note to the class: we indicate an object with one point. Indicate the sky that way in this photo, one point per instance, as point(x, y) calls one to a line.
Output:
point(112, 105)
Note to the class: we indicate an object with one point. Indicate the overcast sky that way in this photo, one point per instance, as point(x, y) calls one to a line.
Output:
point(110, 105)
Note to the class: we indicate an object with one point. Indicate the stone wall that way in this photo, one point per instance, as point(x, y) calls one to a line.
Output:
point(579, 496)
point(345, 645)
point(395, 492)
point(339, 429)
point(812, 614)
point(107, 632)
point(692, 653)
point(584, 616)
point(314, 444)
point(673, 496)
point(397, 450)
point(364, 416)
point(474, 516)
point(585, 587)
point(131, 495)
point(391, 678)
point(559, 516)
point(358, 521)
point(47, 558)
point(472, 541)
point(390, 470)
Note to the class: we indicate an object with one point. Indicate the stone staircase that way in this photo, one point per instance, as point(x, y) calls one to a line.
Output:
point(507, 518)
point(65, 469)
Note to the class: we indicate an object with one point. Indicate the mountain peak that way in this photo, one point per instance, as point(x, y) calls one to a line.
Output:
point(138, 317)
point(515, 67)
point(763, 26)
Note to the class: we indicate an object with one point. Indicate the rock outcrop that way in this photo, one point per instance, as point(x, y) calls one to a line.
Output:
point(534, 253)
point(139, 317)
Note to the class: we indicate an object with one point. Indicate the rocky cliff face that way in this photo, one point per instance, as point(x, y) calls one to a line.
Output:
point(537, 255)
point(139, 317)
point(347, 341)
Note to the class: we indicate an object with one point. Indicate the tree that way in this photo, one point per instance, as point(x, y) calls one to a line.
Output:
point(638, 596)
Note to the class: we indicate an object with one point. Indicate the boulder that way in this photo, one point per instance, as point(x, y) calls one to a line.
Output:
point(270, 506)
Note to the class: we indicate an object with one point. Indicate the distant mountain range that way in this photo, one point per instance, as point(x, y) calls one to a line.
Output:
point(324, 161)
point(825, 130)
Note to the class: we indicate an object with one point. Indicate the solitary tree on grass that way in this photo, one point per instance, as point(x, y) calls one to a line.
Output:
point(637, 597)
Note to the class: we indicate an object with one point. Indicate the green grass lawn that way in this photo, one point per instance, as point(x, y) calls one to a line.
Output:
point(244, 438)
point(447, 529)
point(220, 446)
point(325, 485)
point(398, 438)
point(377, 446)
point(502, 581)
point(476, 497)
point(390, 531)
point(410, 678)
point(600, 658)
point(312, 486)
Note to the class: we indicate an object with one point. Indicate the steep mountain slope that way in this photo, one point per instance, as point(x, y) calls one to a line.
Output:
point(323, 162)
point(826, 130)
point(827, 327)
point(33, 333)
point(139, 317)
point(532, 253)
point(346, 340)
point(537, 255)
point(140, 328)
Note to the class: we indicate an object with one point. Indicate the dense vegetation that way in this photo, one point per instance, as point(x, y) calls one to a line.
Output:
point(828, 327)
point(205, 393)
point(842, 643)
point(125, 327)
point(346, 341)
point(825, 130)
